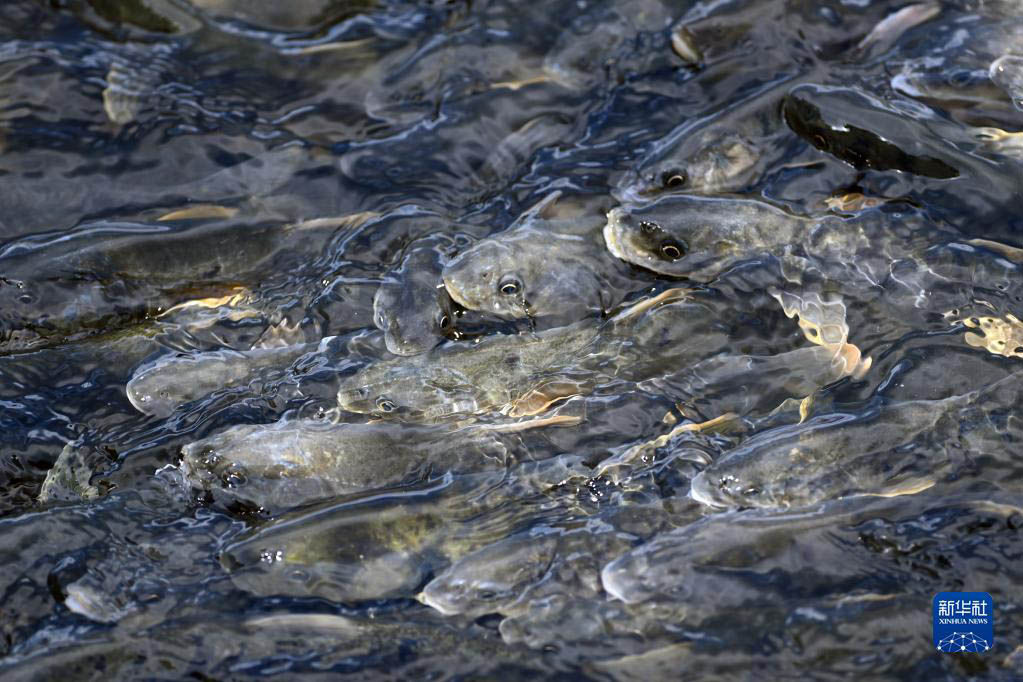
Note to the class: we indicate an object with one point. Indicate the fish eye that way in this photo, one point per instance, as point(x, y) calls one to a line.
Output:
point(510, 286)
point(673, 179)
point(648, 226)
point(386, 405)
point(444, 321)
point(234, 477)
point(672, 250)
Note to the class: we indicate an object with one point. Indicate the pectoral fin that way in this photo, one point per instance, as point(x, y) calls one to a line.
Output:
point(199, 212)
point(1009, 252)
point(347, 222)
point(663, 298)
point(542, 397)
point(726, 423)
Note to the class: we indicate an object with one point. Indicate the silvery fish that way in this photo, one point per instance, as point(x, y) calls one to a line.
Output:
point(701, 237)
point(543, 266)
point(897, 449)
point(524, 374)
point(725, 561)
point(388, 545)
point(715, 159)
point(504, 576)
point(159, 387)
point(292, 462)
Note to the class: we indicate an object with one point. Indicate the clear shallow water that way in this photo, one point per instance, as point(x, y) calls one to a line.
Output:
point(440, 120)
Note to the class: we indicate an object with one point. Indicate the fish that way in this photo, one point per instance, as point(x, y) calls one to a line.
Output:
point(890, 29)
point(897, 449)
point(923, 149)
point(1007, 73)
point(600, 46)
point(388, 546)
point(715, 159)
point(411, 305)
point(101, 276)
point(699, 238)
point(510, 155)
point(525, 374)
point(846, 128)
point(542, 266)
point(158, 388)
point(296, 461)
point(722, 561)
point(826, 457)
point(505, 576)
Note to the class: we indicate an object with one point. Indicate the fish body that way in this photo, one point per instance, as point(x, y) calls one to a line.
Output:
point(388, 545)
point(289, 463)
point(159, 387)
point(111, 274)
point(462, 379)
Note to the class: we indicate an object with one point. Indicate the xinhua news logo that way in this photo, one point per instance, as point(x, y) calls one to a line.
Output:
point(963, 622)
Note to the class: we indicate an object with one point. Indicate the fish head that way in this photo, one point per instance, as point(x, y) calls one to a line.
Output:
point(716, 161)
point(406, 393)
point(34, 313)
point(533, 273)
point(490, 579)
point(673, 237)
point(765, 475)
point(412, 322)
point(490, 278)
point(269, 466)
point(217, 461)
point(1007, 73)
point(148, 392)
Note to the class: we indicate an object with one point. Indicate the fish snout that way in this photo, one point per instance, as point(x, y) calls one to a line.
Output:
point(708, 490)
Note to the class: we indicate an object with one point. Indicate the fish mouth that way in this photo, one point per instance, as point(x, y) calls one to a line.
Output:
point(433, 602)
point(456, 295)
point(137, 399)
point(704, 491)
point(611, 230)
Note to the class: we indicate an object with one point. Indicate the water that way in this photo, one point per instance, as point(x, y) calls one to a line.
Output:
point(185, 177)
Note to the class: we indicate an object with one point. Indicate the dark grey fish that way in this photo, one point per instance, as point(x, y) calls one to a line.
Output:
point(1007, 73)
point(411, 306)
point(106, 275)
